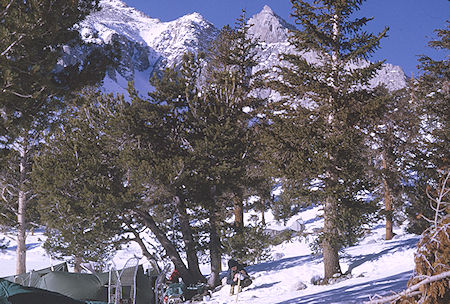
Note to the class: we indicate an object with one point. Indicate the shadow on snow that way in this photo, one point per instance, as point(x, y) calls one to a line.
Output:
point(357, 293)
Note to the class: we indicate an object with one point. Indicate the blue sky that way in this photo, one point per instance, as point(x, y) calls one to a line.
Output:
point(411, 22)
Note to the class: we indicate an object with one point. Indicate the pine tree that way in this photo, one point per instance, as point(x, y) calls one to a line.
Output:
point(33, 86)
point(315, 138)
point(158, 171)
point(432, 92)
point(231, 81)
point(393, 126)
point(79, 188)
point(32, 37)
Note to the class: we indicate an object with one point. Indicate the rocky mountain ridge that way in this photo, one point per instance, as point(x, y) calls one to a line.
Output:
point(147, 44)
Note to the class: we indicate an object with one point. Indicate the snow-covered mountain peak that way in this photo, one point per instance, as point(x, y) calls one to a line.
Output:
point(193, 17)
point(147, 44)
point(269, 27)
point(267, 10)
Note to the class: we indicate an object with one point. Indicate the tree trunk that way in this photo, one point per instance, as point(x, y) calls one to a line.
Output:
point(150, 257)
point(171, 250)
point(387, 202)
point(214, 251)
point(77, 264)
point(191, 251)
point(21, 251)
point(238, 215)
point(329, 246)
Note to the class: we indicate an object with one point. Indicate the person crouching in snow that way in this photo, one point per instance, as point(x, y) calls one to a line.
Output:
point(237, 275)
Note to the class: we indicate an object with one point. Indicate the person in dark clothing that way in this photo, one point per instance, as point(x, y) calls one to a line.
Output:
point(237, 275)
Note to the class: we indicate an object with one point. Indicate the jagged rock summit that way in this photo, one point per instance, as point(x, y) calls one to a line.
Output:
point(147, 44)
point(268, 27)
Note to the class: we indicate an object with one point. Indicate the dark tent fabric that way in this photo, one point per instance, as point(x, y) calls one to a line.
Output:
point(13, 293)
point(94, 287)
point(80, 286)
point(91, 287)
point(31, 278)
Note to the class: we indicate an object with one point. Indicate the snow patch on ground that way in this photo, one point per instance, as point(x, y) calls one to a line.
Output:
point(377, 267)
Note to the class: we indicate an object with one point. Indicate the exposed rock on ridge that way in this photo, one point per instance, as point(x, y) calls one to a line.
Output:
point(147, 44)
point(269, 27)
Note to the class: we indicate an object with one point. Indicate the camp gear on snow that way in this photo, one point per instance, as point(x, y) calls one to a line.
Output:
point(13, 293)
point(31, 278)
point(129, 284)
point(174, 293)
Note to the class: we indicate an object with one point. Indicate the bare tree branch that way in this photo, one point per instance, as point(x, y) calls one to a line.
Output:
point(5, 11)
point(12, 45)
point(411, 291)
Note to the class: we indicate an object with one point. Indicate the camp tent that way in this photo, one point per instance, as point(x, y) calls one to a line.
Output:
point(31, 278)
point(130, 283)
point(80, 286)
point(13, 293)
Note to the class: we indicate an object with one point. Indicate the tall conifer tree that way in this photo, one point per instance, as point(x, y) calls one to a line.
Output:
point(432, 161)
point(33, 35)
point(80, 188)
point(316, 141)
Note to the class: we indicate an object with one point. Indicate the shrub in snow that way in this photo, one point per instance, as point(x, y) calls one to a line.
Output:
point(432, 259)
point(278, 256)
point(3, 243)
point(316, 280)
point(300, 286)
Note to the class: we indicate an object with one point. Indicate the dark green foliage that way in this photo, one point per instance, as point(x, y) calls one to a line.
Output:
point(33, 35)
point(80, 190)
point(249, 247)
point(315, 137)
point(431, 158)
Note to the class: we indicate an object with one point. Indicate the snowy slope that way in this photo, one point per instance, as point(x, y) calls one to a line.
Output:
point(145, 44)
point(377, 267)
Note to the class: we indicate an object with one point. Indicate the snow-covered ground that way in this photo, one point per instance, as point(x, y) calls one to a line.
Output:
point(378, 267)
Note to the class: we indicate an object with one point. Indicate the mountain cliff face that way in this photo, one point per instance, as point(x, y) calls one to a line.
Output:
point(146, 44)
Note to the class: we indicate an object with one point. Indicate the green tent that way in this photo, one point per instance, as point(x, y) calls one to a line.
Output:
point(95, 287)
point(134, 284)
point(80, 286)
point(31, 278)
point(13, 293)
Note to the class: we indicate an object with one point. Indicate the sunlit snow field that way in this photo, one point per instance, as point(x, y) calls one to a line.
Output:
point(378, 267)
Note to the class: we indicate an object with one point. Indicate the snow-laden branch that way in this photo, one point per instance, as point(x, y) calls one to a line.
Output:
point(411, 291)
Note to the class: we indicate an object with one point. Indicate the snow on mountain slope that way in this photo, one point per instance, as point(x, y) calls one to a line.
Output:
point(146, 44)
point(377, 266)
point(274, 34)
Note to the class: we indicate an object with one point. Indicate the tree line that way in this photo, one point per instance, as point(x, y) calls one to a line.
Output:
point(183, 163)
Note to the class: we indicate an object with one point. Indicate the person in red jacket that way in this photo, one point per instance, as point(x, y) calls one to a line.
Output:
point(175, 276)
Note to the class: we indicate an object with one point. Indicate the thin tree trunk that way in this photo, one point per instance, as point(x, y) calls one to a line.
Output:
point(77, 264)
point(329, 243)
point(329, 246)
point(171, 250)
point(140, 242)
point(238, 215)
point(21, 251)
point(387, 202)
point(214, 252)
point(191, 251)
